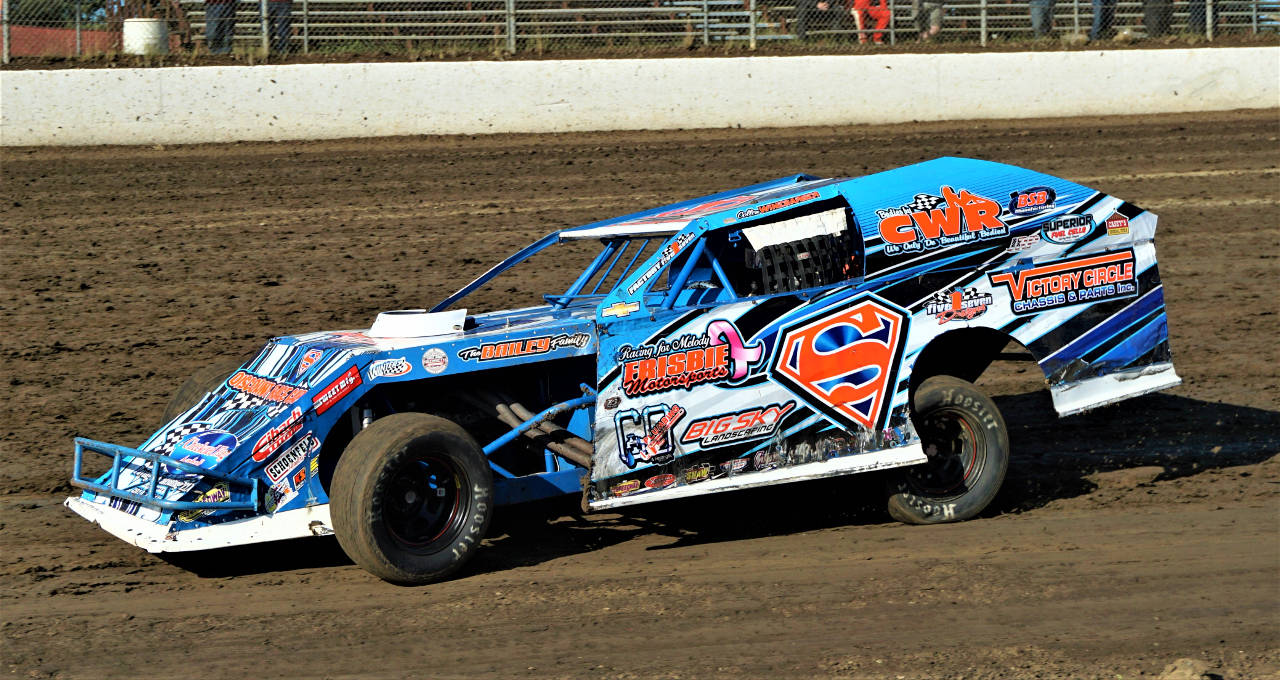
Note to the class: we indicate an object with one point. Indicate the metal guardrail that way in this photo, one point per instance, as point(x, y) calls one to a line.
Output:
point(424, 27)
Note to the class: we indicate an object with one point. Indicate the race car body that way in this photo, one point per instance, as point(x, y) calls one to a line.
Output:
point(790, 330)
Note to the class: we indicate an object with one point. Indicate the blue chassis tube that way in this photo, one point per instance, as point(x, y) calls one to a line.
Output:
point(508, 487)
point(119, 453)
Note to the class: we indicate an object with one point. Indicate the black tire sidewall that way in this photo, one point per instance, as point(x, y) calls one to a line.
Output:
point(907, 503)
point(361, 481)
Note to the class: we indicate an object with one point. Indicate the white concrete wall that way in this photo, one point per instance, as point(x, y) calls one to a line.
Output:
point(222, 104)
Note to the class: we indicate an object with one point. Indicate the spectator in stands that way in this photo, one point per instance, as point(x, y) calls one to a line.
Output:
point(1104, 12)
point(1156, 16)
point(868, 14)
point(928, 17)
point(1042, 17)
point(280, 16)
point(219, 25)
point(821, 14)
point(1196, 17)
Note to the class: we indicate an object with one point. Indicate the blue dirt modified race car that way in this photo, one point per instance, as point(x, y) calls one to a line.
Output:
point(791, 330)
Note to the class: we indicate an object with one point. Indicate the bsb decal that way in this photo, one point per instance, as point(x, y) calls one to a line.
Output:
point(958, 305)
point(1060, 284)
point(681, 363)
point(1032, 201)
point(931, 222)
point(490, 351)
point(844, 361)
point(754, 423)
point(645, 436)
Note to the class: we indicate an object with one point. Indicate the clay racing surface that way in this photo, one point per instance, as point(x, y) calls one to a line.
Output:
point(1125, 539)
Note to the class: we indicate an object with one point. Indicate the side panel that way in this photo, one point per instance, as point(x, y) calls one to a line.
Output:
point(1066, 270)
point(721, 396)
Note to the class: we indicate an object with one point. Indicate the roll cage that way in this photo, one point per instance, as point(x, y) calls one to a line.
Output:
point(681, 258)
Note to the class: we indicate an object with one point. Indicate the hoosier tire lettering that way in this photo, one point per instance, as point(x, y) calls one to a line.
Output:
point(411, 499)
point(968, 448)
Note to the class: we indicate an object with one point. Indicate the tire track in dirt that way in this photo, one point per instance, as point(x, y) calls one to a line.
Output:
point(1125, 538)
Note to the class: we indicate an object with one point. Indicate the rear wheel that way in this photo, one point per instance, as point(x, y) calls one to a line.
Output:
point(199, 384)
point(411, 499)
point(964, 436)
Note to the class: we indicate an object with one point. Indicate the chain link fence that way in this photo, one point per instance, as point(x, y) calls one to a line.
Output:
point(443, 28)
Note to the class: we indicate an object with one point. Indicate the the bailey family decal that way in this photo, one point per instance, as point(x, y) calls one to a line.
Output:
point(514, 349)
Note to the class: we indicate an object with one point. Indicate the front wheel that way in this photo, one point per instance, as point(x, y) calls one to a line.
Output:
point(411, 499)
point(965, 439)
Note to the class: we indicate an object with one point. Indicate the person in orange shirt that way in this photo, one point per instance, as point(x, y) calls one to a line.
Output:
point(871, 13)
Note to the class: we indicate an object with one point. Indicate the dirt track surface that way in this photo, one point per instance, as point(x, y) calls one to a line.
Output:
point(1125, 539)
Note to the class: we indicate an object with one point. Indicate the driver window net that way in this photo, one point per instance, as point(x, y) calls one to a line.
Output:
point(804, 252)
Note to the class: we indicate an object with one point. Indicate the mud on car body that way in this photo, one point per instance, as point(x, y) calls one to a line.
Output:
point(790, 330)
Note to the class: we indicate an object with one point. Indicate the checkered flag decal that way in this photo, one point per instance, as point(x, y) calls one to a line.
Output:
point(242, 401)
point(177, 434)
point(923, 202)
point(943, 297)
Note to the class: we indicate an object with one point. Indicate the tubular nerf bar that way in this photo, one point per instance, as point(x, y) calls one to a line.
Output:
point(118, 454)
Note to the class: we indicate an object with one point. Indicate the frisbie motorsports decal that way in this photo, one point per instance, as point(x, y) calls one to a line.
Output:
point(689, 360)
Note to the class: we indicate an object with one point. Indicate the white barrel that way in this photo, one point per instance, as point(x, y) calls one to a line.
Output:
point(146, 36)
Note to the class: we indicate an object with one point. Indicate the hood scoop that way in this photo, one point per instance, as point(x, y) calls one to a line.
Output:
point(417, 323)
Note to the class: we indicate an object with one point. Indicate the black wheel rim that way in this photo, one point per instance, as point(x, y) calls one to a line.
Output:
point(956, 459)
point(424, 504)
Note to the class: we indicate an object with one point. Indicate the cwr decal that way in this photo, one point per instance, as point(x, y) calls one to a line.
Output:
point(844, 361)
point(929, 222)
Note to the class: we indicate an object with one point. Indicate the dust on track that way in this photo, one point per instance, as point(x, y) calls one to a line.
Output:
point(1124, 539)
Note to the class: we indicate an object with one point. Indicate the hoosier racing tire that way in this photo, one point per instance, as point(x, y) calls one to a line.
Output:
point(967, 443)
point(411, 498)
